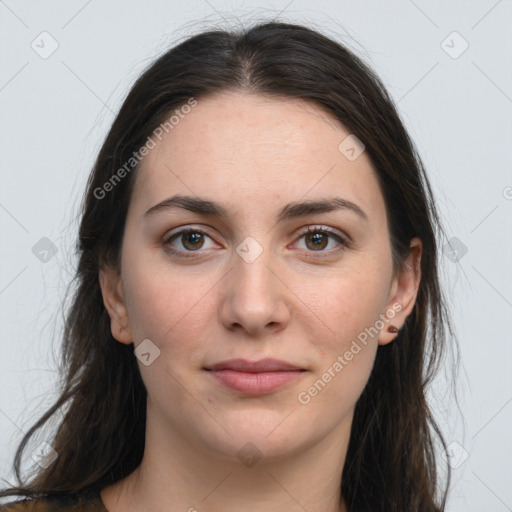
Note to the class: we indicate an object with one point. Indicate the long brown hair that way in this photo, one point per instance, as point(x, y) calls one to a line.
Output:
point(391, 459)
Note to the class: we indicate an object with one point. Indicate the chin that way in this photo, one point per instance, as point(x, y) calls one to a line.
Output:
point(258, 434)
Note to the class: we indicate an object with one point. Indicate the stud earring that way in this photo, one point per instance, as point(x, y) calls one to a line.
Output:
point(392, 328)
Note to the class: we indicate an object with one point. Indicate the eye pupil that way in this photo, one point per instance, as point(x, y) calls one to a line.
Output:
point(193, 237)
point(318, 239)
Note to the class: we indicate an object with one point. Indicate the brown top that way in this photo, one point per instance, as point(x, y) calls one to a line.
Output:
point(88, 502)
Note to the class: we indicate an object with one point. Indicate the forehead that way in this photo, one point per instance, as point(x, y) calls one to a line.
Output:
point(232, 124)
point(241, 146)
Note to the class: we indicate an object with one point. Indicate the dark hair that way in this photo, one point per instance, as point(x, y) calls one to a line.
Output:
point(391, 459)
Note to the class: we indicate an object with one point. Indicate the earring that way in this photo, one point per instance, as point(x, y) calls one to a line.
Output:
point(392, 328)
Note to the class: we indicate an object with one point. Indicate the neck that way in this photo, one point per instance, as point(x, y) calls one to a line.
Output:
point(178, 475)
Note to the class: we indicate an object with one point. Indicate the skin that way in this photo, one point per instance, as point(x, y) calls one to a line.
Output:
point(253, 154)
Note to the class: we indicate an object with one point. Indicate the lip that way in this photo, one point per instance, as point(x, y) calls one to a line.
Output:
point(263, 365)
point(255, 377)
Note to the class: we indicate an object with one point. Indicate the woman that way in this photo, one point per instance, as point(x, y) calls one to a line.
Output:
point(258, 311)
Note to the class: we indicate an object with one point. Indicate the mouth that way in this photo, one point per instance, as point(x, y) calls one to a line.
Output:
point(255, 377)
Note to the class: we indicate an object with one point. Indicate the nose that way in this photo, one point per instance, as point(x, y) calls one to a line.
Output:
point(255, 299)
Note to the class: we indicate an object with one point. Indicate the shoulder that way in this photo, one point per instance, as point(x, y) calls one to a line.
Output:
point(89, 502)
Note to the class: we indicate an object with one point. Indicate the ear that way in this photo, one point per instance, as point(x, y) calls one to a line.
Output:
point(113, 299)
point(403, 293)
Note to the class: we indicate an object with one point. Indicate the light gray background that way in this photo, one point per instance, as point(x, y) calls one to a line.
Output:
point(56, 111)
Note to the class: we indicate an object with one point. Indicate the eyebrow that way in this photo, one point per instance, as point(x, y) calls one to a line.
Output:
point(290, 211)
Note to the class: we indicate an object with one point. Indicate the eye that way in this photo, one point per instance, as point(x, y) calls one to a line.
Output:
point(190, 239)
point(317, 239)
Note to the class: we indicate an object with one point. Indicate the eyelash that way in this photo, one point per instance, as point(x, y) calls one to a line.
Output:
point(344, 243)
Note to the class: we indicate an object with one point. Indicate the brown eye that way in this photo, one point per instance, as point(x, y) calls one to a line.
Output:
point(192, 240)
point(186, 241)
point(317, 240)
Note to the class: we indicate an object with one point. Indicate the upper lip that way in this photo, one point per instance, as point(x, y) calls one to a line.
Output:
point(263, 365)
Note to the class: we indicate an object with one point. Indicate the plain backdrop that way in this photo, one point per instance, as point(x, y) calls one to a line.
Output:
point(65, 67)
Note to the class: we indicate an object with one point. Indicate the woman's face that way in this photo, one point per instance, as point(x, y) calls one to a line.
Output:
point(252, 283)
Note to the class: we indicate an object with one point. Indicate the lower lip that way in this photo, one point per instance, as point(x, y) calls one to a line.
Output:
point(255, 383)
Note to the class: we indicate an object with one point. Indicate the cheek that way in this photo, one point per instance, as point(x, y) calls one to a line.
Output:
point(347, 312)
point(164, 308)
point(165, 305)
point(346, 353)
point(346, 304)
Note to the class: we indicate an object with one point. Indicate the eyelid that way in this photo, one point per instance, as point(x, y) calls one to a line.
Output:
point(314, 228)
point(344, 241)
point(185, 229)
